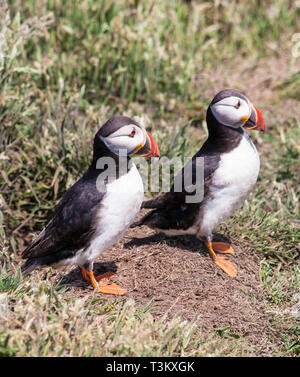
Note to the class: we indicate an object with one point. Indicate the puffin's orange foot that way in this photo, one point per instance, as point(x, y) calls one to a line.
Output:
point(222, 248)
point(106, 275)
point(105, 287)
point(221, 262)
point(111, 288)
point(226, 266)
point(86, 276)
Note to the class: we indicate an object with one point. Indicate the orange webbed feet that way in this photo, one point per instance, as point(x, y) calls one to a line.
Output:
point(222, 248)
point(222, 262)
point(105, 287)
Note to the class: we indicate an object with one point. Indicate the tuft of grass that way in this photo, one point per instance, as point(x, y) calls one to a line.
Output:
point(47, 323)
point(289, 87)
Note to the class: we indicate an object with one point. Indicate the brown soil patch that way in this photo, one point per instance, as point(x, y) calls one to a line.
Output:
point(177, 276)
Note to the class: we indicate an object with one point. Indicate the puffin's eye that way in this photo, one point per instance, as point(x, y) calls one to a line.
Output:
point(238, 105)
point(132, 133)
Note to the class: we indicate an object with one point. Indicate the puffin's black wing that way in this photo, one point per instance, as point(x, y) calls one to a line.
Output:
point(171, 210)
point(70, 227)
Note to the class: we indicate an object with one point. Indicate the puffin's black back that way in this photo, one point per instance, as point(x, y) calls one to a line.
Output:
point(70, 227)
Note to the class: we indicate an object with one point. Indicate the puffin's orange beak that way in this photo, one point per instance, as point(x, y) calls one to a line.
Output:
point(149, 149)
point(256, 120)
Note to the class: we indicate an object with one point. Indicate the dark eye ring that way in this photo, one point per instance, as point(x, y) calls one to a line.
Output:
point(132, 134)
point(238, 105)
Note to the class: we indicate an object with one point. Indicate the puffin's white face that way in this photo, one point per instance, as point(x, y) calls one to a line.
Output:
point(232, 111)
point(126, 140)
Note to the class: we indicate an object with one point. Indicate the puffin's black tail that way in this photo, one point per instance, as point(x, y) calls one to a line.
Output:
point(155, 203)
point(140, 222)
point(158, 217)
point(158, 202)
point(30, 265)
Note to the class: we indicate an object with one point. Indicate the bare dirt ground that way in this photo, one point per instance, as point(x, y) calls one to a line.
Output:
point(177, 276)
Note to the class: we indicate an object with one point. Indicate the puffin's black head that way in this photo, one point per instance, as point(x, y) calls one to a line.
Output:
point(123, 135)
point(233, 109)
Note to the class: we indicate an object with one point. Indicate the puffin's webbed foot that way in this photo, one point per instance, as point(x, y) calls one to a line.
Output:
point(222, 262)
point(111, 288)
point(105, 287)
point(226, 266)
point(222, 248)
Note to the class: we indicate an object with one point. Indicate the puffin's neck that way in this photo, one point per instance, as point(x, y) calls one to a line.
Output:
point(122, 164)
point(223, 138)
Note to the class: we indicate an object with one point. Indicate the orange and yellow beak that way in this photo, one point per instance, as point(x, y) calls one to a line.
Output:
point(255, 121)
point(149, 149)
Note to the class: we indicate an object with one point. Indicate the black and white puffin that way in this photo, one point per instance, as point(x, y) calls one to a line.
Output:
point(96, 211)
point(231, 166)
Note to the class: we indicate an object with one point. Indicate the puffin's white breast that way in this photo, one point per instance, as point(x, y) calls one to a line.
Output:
point(119, 207)
point(231, 183)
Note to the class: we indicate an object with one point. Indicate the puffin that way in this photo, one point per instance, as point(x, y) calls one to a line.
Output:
point(229, 163)
point(96, 211)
